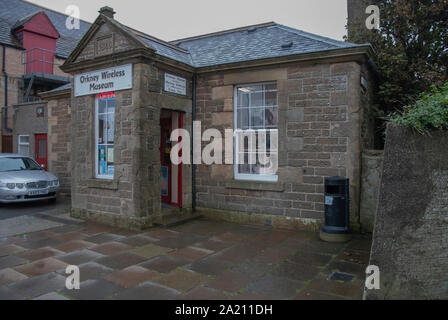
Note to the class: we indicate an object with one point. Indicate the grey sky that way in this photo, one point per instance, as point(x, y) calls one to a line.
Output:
point(175, 19)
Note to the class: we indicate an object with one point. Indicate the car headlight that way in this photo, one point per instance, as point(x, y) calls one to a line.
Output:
point(20, 185)
point(11, 185)
point(54, 183)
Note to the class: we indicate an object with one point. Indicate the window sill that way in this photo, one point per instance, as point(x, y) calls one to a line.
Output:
point(256, 185)
point(102, 184)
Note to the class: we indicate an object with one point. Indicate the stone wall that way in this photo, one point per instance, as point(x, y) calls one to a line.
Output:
point(410, 240)
point(320, 116)
point(26, 122)
point(59, 137)
point(372, 165)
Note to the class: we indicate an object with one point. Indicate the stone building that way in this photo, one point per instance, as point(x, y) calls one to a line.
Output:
point(34, 42)
point(131, 90)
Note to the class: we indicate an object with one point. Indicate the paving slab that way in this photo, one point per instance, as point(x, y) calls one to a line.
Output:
point(121, 260)
point(237, 254)
point(209, 266)
point(93, 290)
point(311, 258)
point(164, 264)
point(7, 293)
point(33, 255)
point(10, 249)
point(191, 253)
point(348, 290)
point(182, 240)
point(75, 245)
point(204, 293)
point(137, 241)
point(273, 286)
point(150, 251)
point(214, 245)
point(347, 267)
point(132, 276)
point(147, 291)
point(9, 275)
point(181, 280)
point(93, 270)
point(92, 228)
point(161, 234)
point(252, 269)
point(37, 286)
point(53, 296)
point(322, 246)
point(40, 267)
point(70, 236)
point(103, 238)
point(295, 271)
point(11, 261)
point(79, 257)
point(110, 248)
point(307, 294)
point(273, 256)
point(229, 281)
point(25, 224)
point(41, 243)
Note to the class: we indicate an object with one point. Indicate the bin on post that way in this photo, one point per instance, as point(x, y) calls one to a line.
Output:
point(337, 210)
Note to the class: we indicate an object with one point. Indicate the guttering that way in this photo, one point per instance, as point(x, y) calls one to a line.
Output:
point(193, 166)
point(5, 75)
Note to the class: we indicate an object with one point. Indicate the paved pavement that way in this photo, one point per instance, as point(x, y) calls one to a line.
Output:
point(202, 259)
point(28, 217)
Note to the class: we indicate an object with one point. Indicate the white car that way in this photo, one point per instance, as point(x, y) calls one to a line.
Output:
point(22, 179)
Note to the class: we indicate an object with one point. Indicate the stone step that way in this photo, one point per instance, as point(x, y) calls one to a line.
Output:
point(175, 217)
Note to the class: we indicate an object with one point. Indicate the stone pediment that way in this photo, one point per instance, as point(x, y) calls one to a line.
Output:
point(106, 37)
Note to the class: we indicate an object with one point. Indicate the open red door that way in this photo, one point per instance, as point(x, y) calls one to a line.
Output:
point(41, 150)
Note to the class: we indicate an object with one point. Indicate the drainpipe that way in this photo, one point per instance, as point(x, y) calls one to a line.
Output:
point(193, 166)
point(5, 75)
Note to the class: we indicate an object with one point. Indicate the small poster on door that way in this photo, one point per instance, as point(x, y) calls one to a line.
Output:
point(164, 181)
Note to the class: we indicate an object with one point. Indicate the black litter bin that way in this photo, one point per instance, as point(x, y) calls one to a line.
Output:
point(337, 210)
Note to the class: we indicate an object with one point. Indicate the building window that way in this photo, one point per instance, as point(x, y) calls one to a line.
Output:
point(104, 136)
point(256, 134)
point(24, 145)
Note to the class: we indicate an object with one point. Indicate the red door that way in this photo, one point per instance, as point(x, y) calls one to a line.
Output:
point(41, 149)
point(165, 160)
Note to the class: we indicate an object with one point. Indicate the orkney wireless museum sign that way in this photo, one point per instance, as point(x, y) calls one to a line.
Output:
point(105, 80)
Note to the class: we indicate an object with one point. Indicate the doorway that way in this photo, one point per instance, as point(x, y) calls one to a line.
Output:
point(171, 175)
point(41, 150)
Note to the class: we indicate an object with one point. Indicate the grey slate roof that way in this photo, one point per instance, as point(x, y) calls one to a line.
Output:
point(263, 42)
point(238, 45)
point(12, 11)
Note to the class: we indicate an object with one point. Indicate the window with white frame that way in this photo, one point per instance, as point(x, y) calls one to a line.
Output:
point(256, 132)
point(104, 136)
point(24, 145)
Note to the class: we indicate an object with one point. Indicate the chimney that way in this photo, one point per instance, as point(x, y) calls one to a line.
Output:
point(107, 11)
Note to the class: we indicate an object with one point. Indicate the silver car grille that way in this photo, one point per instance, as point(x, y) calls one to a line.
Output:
point(37, 185)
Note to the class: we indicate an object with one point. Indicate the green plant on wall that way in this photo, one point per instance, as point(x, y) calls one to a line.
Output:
point(428, 113)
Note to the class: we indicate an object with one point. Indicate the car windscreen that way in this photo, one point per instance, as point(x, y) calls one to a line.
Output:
point(18, 164)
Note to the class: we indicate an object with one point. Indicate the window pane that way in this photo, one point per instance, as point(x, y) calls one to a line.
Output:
point(257, 118)
point(243, 119)
point(42, 149)
point(24, 150)
point(271, 116)
point(110, 128)
point(24, 139)
point(102, 128)
point(102, 106)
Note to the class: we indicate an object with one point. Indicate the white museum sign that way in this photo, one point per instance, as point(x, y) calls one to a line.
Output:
point(105, 80)
point(175, 84)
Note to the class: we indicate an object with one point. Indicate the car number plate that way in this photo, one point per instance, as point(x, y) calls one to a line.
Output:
point(38, 192)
